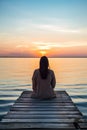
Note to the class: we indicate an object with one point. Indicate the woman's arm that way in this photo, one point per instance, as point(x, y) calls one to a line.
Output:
point(34, 83)
point(53, 81)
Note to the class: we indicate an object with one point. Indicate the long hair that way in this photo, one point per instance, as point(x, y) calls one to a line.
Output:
point(43, 68)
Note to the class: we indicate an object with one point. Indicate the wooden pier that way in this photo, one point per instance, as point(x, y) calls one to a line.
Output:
point(58, 113)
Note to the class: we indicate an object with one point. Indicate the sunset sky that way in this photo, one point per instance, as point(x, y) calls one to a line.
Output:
point(31, 28)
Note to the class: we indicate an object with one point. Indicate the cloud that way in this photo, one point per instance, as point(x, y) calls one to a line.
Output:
point(21, 46)
point(56, 28)
point(48, 45)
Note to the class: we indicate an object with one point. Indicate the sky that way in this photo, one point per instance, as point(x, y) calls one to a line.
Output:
point(32, 28)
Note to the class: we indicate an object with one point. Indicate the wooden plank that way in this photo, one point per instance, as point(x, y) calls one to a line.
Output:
point(26, 125)
point(43, 112)
point(42, 108)
point(83, 125)
point(46, 100)
point(54, 99)
point(47, 104)
point(57, 95)
point(26, 116)
point(40, 120)
point(43, 102)
point(43, 105)
point(30, 101)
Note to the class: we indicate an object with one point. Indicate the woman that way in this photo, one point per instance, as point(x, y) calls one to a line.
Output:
point(43, 81)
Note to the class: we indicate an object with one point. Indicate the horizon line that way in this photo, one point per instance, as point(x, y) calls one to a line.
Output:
point(41, 56)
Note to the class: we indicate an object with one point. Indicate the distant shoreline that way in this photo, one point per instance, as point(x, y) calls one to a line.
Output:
point(48, 57)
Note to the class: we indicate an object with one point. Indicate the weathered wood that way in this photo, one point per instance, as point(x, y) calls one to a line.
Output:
point(40, 120)
point(42, 108)
point(83, 125)
point(44, 111)
point(45, 104)
point(26, 100)
point(28, 125)
point(58, 113)
point(39, 113)
point(39, 116)
point(49, 112)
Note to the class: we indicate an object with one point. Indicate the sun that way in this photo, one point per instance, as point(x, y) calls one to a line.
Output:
point(43, 53)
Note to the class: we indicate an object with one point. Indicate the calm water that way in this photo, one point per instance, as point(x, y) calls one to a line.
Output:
point(16, 75)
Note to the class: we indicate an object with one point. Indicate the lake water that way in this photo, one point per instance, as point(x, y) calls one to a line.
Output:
point(16, 76)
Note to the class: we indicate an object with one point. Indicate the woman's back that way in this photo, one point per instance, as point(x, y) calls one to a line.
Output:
point(44, 87)
point(43, 80)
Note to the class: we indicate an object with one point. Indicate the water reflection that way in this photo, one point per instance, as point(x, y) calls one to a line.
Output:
point(16, 76)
